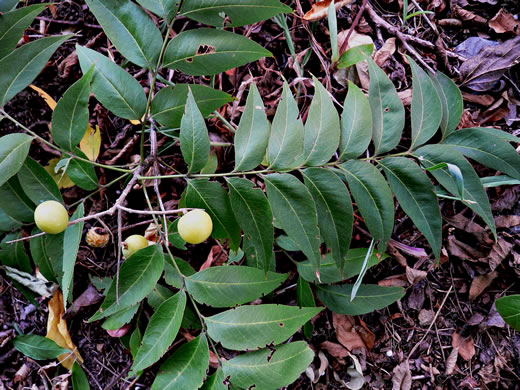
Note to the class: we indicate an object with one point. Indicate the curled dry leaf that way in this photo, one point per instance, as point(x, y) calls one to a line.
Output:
point(451, 361)
point(507, 221)
point(45, 96)
point(480, 73)
point(334, 349)
point(415, 275)
point(480, 283)
point(465, 346)
point(87, 298)
point(468, 16)
point(503, 22)
point(346, 332)
point(319, 9)
point(386, 51)
point(402, 378)
point(58, 332)
point(500, 250)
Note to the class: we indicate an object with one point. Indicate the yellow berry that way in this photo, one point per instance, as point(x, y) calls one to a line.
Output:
point(195, 226)
point(133, 243)
point(51, 217)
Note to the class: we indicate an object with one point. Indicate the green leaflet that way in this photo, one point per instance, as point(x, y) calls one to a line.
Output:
point(253, 212)
point(285, 149)
point(369, 297)
point(487, 149)
point(387, 110)
point(38, 347)
point(474, 192)
point(186, 368)
point(235, 12)
point(71, 243)
point(168, 105)
point(252, 134)
point(335, 214)
point(194, 137)
point(426, 109)
point(282, 368)
point(13, 24)
point(138, 276)
point(207, 51)
point(130, 29)
point(14, 149)
point(254, 326)
point(451, 102)
point(37, 184)
point(115, 88)
point(509, 308)
point(22, 66)
point(328, 268)
point(321, 132)
point(294, 208)
point(70, 117)
point(373, 198)
point(356, 124)
point(415, 193)
point(160, 332)
point(227, 286)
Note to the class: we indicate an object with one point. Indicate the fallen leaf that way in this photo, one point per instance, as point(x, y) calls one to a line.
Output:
point(385, 52)
point(91, 143)
point(346, 332)
point(87, 298)
point(468, 16)
point(480, 283)
point(319, 9)
point(45, 96)
point(62, 179)
point(451, 361)
point(480, 73)
point(324, 363)
point(394, 281)
point(500, 250)
point(483, 100)
point(366, 334)
point(357, 39)
point(503, 22)
point(415, 275)
point(507, 221)
point(39, 285)
point(402, 378)
point(334, 349)
point(58, 332)
point(426, 317)
point(465, 346)
point(357, 379)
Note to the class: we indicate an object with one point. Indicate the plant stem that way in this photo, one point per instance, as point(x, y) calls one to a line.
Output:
point(229, 126)
point(203, 175)
point(51, 145)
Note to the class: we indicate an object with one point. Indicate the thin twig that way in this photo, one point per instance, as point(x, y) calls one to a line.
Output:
point(431, 325)
point(354, 24)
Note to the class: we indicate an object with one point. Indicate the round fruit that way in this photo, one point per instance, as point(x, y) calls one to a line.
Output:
point(97, 237)
point(51, 217)
point(133, 243)
point(195, 226)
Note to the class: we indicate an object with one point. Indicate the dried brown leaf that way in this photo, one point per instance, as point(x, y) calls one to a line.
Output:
point(466, 346)
point(334, 349)
point(500, 250)
point(481, 72)
point(402, 378)
point(451, 361)
point(320, 8)
point(346, 332)
point(386, 51)
point(507, 221)
point(87, 298)
point(480, 283)
point(415, 275)
point(58, 332)
point(468, 16)
point(503, 22)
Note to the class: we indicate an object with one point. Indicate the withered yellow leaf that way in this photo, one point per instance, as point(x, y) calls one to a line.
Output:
point(45, 96)
point(91, 143)
point(58, 332)
point(61, 179)
point(320, 8)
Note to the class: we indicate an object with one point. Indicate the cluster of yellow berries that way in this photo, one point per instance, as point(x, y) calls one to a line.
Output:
point(51, 217)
